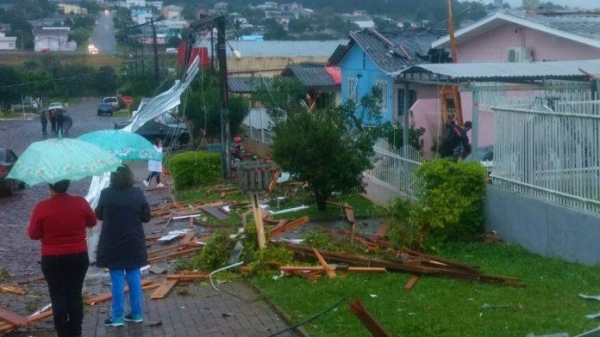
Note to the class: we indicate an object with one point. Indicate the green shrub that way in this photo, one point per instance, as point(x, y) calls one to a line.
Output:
point(449, 206)
point(264, 258)
point(193, 169)
point(215, 254)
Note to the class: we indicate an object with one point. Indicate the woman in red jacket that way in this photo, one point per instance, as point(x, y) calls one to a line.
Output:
point(60, 222)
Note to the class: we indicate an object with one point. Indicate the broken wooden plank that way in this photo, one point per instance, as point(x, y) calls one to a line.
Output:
point(320, 268)
point(288, 226)
point(383, 227)
point(163, 289)
point(349, 213)
point(188, 238)
point(12, 290)
point(107, 296)
point(190, 276)
point(368, 320)
point(328, 270)
point(168, 256)
point(411, 282)
point(13, 318)
point(6, 326)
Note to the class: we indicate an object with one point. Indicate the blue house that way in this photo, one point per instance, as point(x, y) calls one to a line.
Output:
point(374, 58)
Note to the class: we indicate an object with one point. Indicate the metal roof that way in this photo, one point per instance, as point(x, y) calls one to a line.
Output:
point(581, 26)
point(247, 85)
point(502, 71)
point(311, 75)
point(280, 48)
point(389, 50)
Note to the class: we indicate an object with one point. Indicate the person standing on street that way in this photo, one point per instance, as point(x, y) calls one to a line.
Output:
point(155, 166)
point(60, 223)
point(52, 117)
point(60, 118)
point(67, 123)
point(122, 209)
point(44, 121)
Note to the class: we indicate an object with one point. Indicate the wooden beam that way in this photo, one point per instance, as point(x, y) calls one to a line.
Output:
point(277, 230)
point(164, 289)
point(168, 256)
point(191, 276)
point(411, 282)
point(328, 270)
point(13, 318)
point(13, 290)
point(320, 268)
point(368, 320)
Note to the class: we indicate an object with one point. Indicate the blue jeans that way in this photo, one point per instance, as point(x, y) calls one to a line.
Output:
point(134, 281)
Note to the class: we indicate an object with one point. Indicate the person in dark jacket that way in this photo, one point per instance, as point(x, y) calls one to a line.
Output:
point(60, 223)
point(44, 121)
point(122, 209)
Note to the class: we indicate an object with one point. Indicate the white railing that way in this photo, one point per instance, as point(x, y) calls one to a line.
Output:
point(395, 169)
point(550, 152)
point(258, 125)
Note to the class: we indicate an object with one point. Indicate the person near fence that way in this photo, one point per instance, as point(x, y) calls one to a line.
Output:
point(155, 166)
point(122, 209)
point(60, 223)
point(456, 141)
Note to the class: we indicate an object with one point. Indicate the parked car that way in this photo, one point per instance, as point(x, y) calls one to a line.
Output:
point(55, 106)
point(105, 109)
point(7, 161)
point(172, 131)
point(113, 101)
point(483, 155)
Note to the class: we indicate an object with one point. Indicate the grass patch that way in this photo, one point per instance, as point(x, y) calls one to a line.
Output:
point(447, 307)
point(122, 113)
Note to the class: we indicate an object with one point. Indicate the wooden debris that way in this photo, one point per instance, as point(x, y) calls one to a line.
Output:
point(6, 326)
point(328, 270)
point(321, 268)
point(107, 296)
point(411, 282)
point(216, 211)
point(12, 318)
point(168, 256)
point(13, 290)
point(187, 238)
point(288, 226)
point(188, 276)
point(164, 289)
point(368, 320)
point(383, 227)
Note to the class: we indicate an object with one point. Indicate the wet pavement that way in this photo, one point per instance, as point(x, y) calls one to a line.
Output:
point(198, 310)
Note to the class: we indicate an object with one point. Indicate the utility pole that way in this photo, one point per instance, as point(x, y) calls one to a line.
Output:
point(218, 20)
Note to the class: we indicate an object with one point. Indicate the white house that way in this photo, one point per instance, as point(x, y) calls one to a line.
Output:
point(52, 39)
point(172, 12)
point(7, 42)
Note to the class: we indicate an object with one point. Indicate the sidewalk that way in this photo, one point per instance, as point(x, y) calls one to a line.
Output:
point(194, 310)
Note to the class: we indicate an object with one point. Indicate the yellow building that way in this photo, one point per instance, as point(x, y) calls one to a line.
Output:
point(72, 9)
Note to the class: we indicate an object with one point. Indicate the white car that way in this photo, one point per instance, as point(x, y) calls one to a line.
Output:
point(55, 105)
point(113, 101)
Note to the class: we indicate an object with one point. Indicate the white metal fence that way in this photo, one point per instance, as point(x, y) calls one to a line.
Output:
point(258, 125)
point(395, 169)
point(550, 151)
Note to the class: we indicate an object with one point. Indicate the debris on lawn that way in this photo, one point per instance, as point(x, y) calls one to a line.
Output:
point(13, 290)
point(368, 320)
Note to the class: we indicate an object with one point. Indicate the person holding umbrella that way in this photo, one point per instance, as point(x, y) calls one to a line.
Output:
point(60, 223)
point(122, 245)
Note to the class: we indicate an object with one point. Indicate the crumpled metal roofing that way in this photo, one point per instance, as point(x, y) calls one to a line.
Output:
point(506, 70)
point(392, 51)
point(279, 48)
point(311, 75)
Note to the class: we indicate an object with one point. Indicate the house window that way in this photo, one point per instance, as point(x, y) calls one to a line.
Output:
point(11, 45)
point(412, 98)
point(352, 92)
point(383, 87)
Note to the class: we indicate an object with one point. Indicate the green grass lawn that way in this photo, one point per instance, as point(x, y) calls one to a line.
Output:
point(438, 306)
point(435, 306)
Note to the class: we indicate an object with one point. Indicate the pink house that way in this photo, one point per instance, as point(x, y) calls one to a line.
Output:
point(510, 36)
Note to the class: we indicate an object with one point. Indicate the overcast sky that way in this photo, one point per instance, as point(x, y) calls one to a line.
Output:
point(583, 4)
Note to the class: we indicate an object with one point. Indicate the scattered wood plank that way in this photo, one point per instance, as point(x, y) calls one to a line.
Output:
point(107, 296)
point(164, 289)
point(6, 326)
point(188, 276)
point(368, 320)
point(188, 238)
point(383, 227)
point(216, 212)
point(168, 256)
point(13, 290)
point(171, 247)
point(349, 213)
point(320, 268)
point(411, 282)
point(328, 270)
point(13, 318)
point(288, 226)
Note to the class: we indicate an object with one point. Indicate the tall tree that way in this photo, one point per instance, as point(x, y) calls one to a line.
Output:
point(10, 86)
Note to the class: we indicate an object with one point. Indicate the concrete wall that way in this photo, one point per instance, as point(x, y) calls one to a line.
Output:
point(544, 228)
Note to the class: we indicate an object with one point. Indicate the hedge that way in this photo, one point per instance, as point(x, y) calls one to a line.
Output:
point(192, 169)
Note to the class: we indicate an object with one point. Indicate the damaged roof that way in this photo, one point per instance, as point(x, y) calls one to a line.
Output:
point(311, 75)
point(579, 26)
point(391, 51)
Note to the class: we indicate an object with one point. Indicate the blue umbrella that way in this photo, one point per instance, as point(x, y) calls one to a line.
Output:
point(57, 159)
point(123, 144)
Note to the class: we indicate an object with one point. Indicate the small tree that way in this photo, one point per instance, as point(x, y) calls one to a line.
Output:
point(325, 148)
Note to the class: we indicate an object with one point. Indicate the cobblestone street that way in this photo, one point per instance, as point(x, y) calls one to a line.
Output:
point(198, 311)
